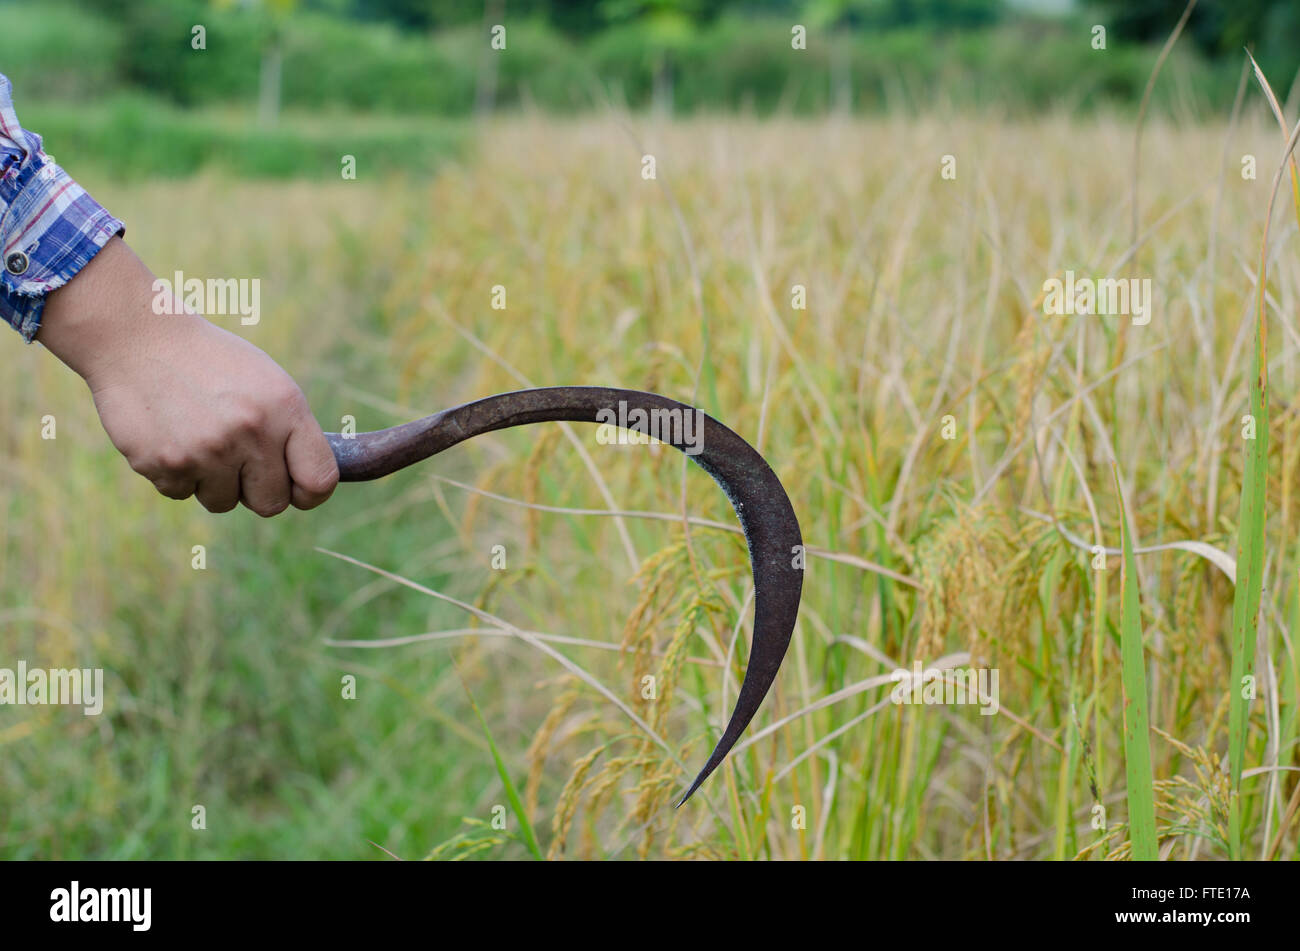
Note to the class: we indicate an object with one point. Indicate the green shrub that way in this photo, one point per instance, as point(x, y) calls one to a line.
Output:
point(133, 136)
point(54, 50)
point(61, 50)
point(335, 64)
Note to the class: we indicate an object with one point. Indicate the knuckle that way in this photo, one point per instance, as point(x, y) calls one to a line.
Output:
point(172, 490)
point(286, 396)
point(248, 418)
point(223, 432)
point(172, 459)
point(143, 466)
point(270, 508)
point(214, 445)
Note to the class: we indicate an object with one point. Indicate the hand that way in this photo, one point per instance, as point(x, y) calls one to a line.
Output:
point(194, 409)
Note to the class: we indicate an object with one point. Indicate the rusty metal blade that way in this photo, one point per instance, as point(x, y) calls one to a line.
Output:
point(760, 501)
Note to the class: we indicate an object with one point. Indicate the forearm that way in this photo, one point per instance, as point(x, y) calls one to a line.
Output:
point(104, 311)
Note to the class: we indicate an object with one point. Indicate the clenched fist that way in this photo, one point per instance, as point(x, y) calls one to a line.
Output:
point(194, 409)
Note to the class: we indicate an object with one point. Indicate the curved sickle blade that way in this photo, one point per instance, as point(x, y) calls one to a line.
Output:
point(760, 501)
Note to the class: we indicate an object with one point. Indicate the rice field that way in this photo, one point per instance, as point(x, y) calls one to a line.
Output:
point(864, 300)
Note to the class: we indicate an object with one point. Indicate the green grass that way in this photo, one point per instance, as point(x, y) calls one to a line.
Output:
point(511, 790)
point(137, 138)
point(1137, 729)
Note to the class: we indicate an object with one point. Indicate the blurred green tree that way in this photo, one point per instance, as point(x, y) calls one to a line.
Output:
point(887, 14)
point(1219, 28)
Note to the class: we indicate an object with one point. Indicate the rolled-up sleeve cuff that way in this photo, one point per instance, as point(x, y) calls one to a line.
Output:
point(50, 230)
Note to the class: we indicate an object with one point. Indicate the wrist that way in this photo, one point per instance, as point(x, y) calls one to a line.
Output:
point(105, 314)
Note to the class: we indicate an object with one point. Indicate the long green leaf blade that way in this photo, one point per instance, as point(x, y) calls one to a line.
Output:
point(1137, 729)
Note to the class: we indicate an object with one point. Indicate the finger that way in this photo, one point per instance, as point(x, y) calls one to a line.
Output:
point(174, 487)
point(218, 491)
point(264, 485)
point(312, 466)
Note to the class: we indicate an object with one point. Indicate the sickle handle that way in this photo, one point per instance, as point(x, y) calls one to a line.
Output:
point(756, 494)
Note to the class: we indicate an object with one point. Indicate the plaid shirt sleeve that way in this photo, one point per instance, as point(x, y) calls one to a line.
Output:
point(49, 227)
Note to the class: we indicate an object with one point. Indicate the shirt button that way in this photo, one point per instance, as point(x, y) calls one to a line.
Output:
point(16, 263)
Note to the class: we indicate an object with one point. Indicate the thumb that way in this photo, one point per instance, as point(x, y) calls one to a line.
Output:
point(312, 467)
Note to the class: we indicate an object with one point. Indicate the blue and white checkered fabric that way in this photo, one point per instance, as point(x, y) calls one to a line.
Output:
point(49, 227)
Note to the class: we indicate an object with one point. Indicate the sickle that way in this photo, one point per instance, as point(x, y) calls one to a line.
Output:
point(768, 519)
